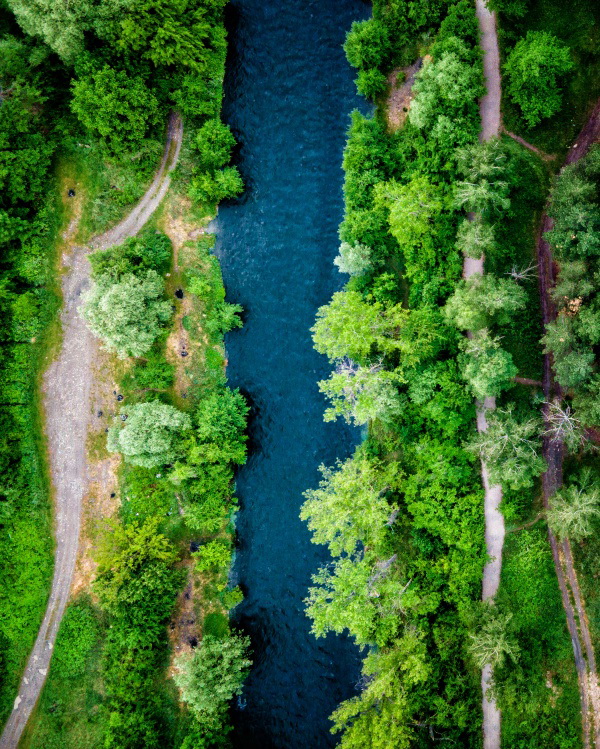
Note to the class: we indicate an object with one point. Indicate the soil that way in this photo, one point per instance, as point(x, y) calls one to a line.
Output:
point(401, 95)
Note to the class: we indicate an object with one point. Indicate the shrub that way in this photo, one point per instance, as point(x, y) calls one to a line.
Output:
point(151, 434)
point(213, 675)
point(127, 315)
point(533, 70)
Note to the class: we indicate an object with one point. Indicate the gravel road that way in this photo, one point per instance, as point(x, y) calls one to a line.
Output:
point(66, 392)
point(489, 108)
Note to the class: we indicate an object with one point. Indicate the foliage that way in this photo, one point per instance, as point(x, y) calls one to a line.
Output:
point(116, 106)
point(213, 675)
point(575, 509)
point(150, 435)
point(510, 449)
point(127, 314)
point(481, 301)
point(485, 365)
point(533, 69)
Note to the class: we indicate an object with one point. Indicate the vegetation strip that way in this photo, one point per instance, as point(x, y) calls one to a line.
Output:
point(552, 479)
point(67, 390)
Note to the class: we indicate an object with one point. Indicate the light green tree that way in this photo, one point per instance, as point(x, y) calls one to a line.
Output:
point(349, 508)
point(150, 434)
point(213, 675)
point(381, 715)
point(361, 394)
point(510, 448)
point(492, 643)
point(127, 315)
point(534, 68)
point(354, 259)
point(485, 187)
point(575, 509)
point(481, 301)
point(347, 326)
point(485, 365)
point(476, 238)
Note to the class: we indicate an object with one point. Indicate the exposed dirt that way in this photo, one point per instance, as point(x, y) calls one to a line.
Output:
point(401, 94)
point(66, 395)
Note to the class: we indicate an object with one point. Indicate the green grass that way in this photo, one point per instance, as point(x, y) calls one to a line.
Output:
point(577, 23)
point(538, 694)
point(68, 714)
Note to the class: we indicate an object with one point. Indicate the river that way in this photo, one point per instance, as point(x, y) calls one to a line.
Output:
point(288, 95)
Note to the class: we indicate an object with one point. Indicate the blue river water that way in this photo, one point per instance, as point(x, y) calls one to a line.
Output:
point(288, 95)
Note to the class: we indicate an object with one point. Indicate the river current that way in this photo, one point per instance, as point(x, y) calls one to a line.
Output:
point(288, 95)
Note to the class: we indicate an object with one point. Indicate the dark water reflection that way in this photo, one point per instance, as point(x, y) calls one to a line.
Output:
point(289, 91)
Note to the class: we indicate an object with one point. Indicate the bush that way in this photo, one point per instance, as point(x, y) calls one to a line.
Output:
point(533, 70)
point(151, 434)
point(127, 315)
point(368, 45)
point(213, 675)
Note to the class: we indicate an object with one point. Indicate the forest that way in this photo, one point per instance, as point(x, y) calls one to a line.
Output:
point(415, 345)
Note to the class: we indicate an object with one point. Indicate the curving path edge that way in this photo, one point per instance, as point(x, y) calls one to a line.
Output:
point(66, 397)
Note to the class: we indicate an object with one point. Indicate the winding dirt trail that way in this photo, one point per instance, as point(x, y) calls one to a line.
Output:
point(66, 391)
point(553, 452)
point(489, 108)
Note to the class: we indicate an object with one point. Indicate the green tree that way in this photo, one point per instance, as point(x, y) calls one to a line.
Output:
point(510, 449)
point(151, 434)
point(134, 564)
point(214, 143)
point(445, 95)
point(574, 510)
point(213, 187)
point(533, 69)
point(361, 394)
point(213, 675)
point(481, 301)
point(119, 107)
point(350, 508)
point(371, 83)
point(353, 259)
point(367, 44)
point(485, 365)
point(492, 643)
point(128, 315)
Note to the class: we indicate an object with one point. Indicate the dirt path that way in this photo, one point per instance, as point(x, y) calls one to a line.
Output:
point(489, 107)
point(553, 451)
point(67, 385)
